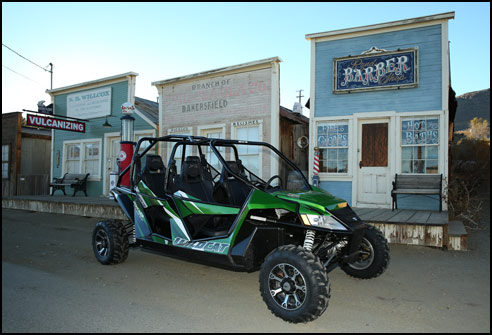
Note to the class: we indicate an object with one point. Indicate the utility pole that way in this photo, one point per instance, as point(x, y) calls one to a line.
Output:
point(300, 96)
point(298, 105)
point(51, 72)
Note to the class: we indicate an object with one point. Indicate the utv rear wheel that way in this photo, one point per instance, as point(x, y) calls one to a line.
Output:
point(374, 257)
point(294, 284)
point(110, 242)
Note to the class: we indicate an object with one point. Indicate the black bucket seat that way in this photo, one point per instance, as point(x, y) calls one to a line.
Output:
point(194, 181)
point(236, 191)
point(153, 174)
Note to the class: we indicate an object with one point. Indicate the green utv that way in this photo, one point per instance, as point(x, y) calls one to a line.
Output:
point(241, 205)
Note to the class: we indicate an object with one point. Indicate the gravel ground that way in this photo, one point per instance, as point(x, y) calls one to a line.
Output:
point(51, 282)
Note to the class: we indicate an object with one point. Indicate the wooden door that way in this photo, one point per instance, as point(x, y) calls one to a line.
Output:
point(373, 167)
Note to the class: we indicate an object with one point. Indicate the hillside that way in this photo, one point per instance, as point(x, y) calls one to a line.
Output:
point(470, 105)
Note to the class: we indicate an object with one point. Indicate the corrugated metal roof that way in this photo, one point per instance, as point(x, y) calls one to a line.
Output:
point(149, 109)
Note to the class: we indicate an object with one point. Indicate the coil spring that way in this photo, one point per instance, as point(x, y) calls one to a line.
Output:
point(309, 240)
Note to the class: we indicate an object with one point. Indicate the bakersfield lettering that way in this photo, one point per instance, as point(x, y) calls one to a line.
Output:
point(204, 106)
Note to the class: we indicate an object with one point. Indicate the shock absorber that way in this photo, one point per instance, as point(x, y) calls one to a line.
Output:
point(309, 240)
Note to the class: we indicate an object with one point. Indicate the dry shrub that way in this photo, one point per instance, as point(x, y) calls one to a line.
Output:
point(469, 176)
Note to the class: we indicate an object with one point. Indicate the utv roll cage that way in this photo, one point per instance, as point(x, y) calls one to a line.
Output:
point(200, 141)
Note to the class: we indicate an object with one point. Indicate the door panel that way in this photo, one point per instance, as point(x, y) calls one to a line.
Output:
point(373, 163)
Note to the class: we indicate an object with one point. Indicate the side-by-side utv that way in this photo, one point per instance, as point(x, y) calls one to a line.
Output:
point(241, 205)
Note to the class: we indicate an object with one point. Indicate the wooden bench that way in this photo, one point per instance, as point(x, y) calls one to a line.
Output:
point(77, 181)
point(417, 185)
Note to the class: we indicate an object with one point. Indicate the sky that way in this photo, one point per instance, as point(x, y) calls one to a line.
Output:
point(159, 41)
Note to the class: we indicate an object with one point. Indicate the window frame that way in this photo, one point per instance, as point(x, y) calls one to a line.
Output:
point(348, 122)
point(8, 146)
point(82, 159)
point(255, 123)
point(425, 145)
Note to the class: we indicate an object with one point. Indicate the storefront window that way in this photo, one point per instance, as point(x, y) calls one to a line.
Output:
point(332, 141)
point(83, 157)
point(249, 155)
point(420, 145)
point(5, 161)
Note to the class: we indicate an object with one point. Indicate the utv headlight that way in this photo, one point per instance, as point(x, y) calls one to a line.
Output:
point(325, 221)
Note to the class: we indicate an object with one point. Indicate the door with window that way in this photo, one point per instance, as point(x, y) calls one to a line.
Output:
point(373, 176)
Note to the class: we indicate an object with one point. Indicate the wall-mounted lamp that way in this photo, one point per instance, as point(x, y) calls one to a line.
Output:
point(107, 124)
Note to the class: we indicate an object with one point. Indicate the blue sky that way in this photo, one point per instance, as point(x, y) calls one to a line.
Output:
point(88, 41)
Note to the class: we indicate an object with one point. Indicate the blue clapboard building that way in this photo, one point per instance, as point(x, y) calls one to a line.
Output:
point(379, 107)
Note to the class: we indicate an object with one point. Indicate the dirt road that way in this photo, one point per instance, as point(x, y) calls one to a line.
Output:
point(51, 282)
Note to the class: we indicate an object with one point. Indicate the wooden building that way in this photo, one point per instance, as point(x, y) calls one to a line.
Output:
point(237, 102)
point(25, 157)
point(379, 106)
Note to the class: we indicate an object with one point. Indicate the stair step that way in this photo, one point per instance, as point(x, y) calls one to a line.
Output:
point(457, 236)
point(456, 228)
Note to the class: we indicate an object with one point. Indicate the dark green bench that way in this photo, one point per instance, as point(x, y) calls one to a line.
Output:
point(417, 185)
point(78, 181)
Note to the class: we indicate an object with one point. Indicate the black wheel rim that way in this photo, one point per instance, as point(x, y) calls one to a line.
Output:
point(366, 256)
point(287, 286)
point(102, 243)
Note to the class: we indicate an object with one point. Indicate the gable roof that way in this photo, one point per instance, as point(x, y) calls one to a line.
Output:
point(148, 109)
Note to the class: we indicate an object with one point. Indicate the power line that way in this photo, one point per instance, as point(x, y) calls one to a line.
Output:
point(18, 54)
point(21, 75)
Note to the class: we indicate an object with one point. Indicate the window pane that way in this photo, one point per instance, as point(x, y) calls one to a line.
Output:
point(342, 166)
point(5, 170)
point(331, 154)
point(406, 166)
point(5, 153)
point(431, 152)
point(407, 137)
point(73, 151)
point(406, 153)
point(73, 166)
point(431, 166)
point(332, 166)
point(418, 166)
point(343, 154)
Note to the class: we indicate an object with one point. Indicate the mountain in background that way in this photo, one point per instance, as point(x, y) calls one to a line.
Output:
point(470, 105)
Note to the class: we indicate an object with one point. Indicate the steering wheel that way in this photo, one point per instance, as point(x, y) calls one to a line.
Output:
point(272, 179)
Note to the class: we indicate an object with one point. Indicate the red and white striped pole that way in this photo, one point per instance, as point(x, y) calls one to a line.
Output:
point(316, 167)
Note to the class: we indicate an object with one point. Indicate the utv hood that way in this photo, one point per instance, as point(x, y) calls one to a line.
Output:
point(315, 198)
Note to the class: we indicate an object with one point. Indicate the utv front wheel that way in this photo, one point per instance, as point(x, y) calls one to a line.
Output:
point(110, 242)
point(294, 284)
point(374, 256)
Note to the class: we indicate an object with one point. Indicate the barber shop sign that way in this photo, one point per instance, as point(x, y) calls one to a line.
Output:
point(376, 69)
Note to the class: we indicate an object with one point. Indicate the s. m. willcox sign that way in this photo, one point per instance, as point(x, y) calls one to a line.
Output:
point(381, 70)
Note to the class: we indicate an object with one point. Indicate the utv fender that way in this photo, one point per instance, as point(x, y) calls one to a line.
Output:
point(251, 251)
point(126, 204)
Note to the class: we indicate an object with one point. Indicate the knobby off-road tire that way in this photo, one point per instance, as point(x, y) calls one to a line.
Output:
point(375, 258)
point(294, 284)
point(110, 242)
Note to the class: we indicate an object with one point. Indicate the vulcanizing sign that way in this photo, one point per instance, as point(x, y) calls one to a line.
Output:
point(48, 122)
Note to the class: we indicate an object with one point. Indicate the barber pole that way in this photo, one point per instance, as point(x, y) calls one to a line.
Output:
point(316, 167)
